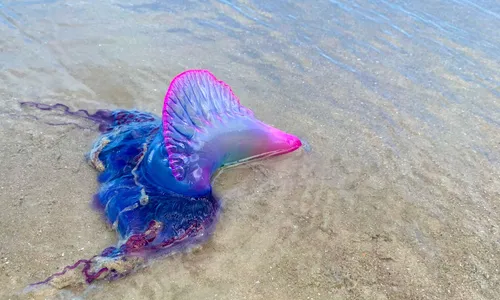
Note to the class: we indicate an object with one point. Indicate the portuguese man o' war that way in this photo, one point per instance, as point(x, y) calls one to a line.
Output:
point(155, 173)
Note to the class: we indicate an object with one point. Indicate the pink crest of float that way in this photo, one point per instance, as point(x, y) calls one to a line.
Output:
point(194, 99)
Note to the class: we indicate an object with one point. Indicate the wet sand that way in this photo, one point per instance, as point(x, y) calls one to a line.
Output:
point(397, 199)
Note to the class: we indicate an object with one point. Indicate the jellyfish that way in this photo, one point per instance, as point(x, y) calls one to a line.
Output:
point(155, 172)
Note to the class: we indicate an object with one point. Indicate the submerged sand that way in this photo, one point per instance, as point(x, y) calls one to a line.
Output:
point(397, 199)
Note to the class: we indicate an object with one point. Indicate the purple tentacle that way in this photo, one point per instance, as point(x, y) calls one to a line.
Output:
point(102, 117)
point(116, 262)
point(89, 276)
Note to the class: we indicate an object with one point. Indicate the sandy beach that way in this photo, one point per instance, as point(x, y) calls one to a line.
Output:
point(398, 197)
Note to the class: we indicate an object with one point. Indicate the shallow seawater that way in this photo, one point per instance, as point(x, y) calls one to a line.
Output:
point(397, 197)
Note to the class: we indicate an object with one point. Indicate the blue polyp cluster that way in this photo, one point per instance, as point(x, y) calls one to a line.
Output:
point(149, 218)
point(130, 202)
